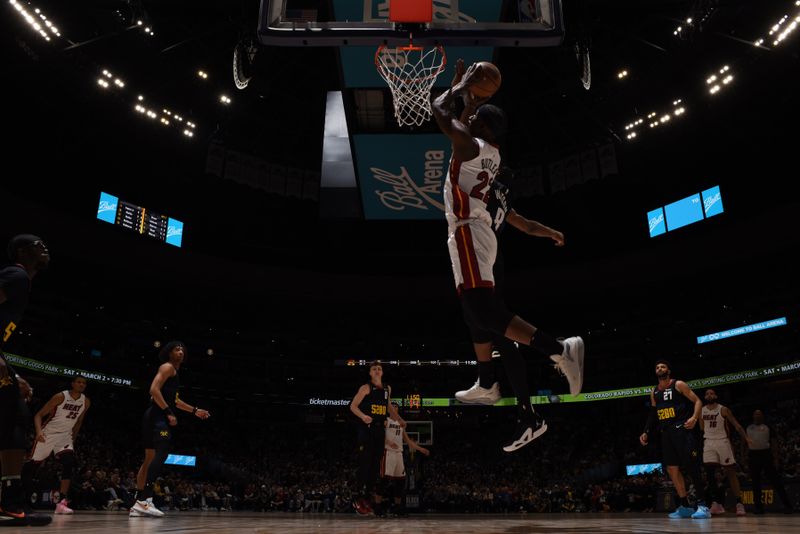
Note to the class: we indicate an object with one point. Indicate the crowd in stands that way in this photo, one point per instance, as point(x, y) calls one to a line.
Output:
point(577, 466)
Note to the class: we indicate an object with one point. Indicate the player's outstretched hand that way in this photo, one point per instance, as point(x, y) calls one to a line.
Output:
point(459, 72)
point(690, 423)
point(558, 237)
point(367, 419)
point(424, 451)
point(203, 414)
point(172, 420)
point(643, 439)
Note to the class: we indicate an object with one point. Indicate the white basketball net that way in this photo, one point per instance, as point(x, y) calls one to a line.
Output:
point(410, 73)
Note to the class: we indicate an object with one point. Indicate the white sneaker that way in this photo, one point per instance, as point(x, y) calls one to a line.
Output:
point(570, 363)
point(62, 508)
point(478, 395)
point(146, 508)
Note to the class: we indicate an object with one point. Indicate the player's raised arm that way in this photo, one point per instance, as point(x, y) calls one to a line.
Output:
point(465, 147)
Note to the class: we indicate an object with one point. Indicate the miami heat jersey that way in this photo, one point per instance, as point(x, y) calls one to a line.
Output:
point(394, 435)
point(467, 187)
point(714, 423)
point(65, 415)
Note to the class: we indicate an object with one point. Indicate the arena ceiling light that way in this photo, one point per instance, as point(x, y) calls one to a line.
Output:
point(165, 117)
point(782, 29)
point(225, 100)
point(717, 81)
point(37, 21)
point(202, 74)
point(622, 74)
point(653, 119)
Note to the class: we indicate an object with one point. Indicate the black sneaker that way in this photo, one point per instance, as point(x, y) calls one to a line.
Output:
point(21, 519)
point(526, 431)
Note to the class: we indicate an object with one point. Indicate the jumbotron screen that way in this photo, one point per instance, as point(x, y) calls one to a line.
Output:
point(141, 220)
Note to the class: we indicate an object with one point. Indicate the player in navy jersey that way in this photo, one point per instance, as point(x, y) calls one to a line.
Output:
point(29, 256)
point(156, 426)
point(472, 243)
point(372, 407)
point(675, 410)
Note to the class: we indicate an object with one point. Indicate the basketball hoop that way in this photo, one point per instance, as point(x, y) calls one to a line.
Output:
point(410, 72)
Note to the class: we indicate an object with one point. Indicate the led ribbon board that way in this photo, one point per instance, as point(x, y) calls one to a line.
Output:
point(747, 329)
point(60, 370)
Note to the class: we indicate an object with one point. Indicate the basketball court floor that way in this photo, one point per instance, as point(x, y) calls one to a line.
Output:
point(245, 523)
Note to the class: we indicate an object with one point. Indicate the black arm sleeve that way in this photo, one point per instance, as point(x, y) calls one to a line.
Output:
point(651, 421)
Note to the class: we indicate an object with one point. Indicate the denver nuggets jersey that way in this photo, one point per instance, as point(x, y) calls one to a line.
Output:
point(169, 390)
point(376, 404)
point(65, 415)
point(714, 423)
point(466, 189)
point(672, 407)
point(394, 434)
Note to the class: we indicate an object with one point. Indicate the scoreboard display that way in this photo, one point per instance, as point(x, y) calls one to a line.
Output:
point(138, 219)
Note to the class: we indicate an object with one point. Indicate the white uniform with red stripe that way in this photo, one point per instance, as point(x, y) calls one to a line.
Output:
point(716, 445)
point(471, 241)
point(58, 429)
point(392, 464)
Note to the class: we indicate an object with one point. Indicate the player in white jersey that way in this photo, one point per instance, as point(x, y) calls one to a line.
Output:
point(717, 451)
point(393, 471)
point(474, 165)
point(65, 412)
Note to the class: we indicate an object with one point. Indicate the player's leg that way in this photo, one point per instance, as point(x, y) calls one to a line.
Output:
point(493, 316)
point(377, 449)
point(156, 437)
point(710, 464)
point(736, 488)
point(691, 459)
point(712, 492)
point(530, 425)
point(672, 460)
point(67, 459)
point(361, 497)
point(40, 452)
point(13, 444)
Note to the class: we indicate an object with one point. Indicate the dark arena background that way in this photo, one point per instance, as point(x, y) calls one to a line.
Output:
point(232, 174)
